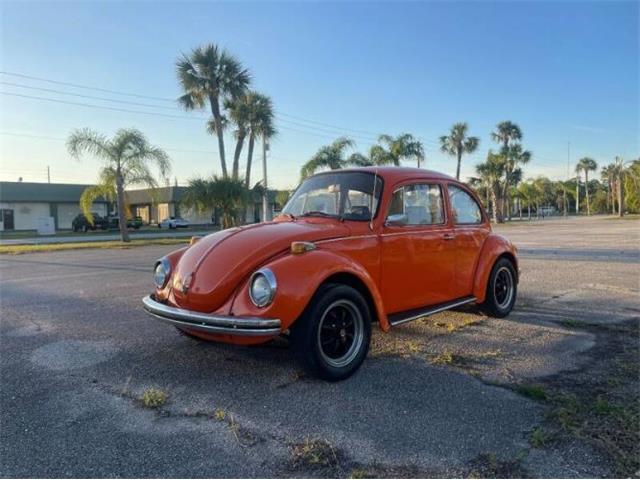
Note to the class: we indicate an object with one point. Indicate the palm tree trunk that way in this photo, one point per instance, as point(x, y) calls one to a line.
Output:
point(236, 156)
point(122, 221)
point(620, 196)
point(577, 195)
point(529, 210)
point(217, 119)
point(247, 178)
point(497, 218)
point(459, 162)
point(586, 187)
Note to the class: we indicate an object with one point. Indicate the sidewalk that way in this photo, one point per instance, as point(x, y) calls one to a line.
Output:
point(101, 238)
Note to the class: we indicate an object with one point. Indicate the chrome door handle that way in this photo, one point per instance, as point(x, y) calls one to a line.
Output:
point(448, 236)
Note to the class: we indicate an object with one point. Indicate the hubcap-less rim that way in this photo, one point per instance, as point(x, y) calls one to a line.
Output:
point(340, 333)
point(503, 287)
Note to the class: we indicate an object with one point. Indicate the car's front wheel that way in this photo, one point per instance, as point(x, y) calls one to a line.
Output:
point(332, 337)
point(501, 289)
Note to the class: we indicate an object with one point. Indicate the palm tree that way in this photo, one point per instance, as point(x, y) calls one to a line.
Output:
point(506, 134)
point(527, 193)
point(126, 159)
point(586, 165)
point(207, 76)
point(228, 196)
point(607, 176)
point(458, 143)
point(332, 157)
point(491, 172)
point(404, 146)
point(515, 156)
point(260, 124)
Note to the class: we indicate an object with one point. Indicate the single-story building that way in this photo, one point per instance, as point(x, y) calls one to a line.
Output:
point(23, 203)
point(153, 206)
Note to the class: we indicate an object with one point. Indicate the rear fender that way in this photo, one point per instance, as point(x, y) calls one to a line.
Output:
point(495, 246)
point(298, 278)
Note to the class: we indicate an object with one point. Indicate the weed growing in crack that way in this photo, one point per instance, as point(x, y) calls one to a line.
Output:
point(153, 398)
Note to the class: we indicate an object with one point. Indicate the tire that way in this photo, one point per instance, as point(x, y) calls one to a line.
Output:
point(325, 349)
point(502, 289)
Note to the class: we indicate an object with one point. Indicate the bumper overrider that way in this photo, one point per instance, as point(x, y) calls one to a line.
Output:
point(209, 323)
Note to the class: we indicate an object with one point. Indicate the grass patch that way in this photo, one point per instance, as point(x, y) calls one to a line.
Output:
point(314, 454)
point(570, 323)
point(538, 438)
point(444, 358)
point(534, 392)
point(56, 247)
point(219, 414)
point(153, 398)
point(488, 465)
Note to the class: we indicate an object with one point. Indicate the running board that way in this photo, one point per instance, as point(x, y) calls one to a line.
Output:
point(396, 319)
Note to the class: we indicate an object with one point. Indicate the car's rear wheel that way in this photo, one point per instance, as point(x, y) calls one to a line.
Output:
point(502, 289)
point(332, 337)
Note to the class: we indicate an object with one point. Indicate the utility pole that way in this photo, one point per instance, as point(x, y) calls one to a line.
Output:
point(48, 174)
point(265, 202)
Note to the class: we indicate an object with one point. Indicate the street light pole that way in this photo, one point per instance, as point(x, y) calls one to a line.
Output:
point(265, 147)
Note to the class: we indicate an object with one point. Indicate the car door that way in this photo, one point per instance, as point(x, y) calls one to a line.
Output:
point(471, 228)
point(417, 254)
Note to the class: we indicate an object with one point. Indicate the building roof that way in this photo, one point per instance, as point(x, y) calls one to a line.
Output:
point(42, 192)
point(158, 195)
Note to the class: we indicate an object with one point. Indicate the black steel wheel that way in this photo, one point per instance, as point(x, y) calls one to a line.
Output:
point(502, 289)
point(331, 338)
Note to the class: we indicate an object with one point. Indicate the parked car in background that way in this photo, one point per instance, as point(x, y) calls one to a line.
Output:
point(173, 222)
point(82, 224)
point(135, 222)
point(351, 248)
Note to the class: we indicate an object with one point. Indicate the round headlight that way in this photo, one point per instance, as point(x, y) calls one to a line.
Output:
point(263, 287)
point(162, 272)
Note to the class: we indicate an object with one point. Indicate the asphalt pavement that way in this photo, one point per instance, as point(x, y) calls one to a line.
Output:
point(77, 351)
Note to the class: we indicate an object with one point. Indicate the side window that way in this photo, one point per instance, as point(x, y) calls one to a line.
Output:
point(418, 204)
point(464, 208)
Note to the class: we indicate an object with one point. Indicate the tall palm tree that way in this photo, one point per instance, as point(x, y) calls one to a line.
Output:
point(125, 158)
point(491, 172)
point(527, 193)
point(332, 157)
point(391, 151)
point(238, 113)
point(208, 75)
point(506, 134)
point(458, 143)
point(227, 196)
point(260, 124)
point(587, 165)
point(607, 177)
point(515, 157)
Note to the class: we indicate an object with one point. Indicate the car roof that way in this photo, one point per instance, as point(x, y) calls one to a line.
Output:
point(395, 174)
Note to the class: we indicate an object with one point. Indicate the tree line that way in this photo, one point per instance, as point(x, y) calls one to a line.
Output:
point(213, 80)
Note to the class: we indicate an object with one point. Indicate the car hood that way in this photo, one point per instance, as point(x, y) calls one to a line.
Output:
point(212, 268)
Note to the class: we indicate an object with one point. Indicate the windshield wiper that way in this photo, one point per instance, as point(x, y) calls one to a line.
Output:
point(313, 213)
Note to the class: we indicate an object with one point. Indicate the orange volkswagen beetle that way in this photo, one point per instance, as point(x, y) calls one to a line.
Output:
point(351, 247)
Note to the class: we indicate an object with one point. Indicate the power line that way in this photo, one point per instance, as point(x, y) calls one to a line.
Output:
point(51, 90)
point(77, 85)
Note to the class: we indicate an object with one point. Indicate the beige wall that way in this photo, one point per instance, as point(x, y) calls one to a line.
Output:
point(26, 214)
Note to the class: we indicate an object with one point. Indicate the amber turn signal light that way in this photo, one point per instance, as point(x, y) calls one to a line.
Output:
point(195, 239)
point(300, 247)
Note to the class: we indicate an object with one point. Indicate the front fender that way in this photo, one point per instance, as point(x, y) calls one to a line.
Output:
point(494, 247)
point(298, 278)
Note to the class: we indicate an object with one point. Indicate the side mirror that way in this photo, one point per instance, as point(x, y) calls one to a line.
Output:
point(398, 219)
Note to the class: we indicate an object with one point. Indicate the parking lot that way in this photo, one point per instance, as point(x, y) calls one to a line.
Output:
point(550, 391)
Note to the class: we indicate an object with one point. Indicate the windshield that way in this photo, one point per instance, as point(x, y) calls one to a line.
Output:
point(346, 195)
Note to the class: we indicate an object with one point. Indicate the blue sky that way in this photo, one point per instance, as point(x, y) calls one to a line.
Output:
point(564, 71)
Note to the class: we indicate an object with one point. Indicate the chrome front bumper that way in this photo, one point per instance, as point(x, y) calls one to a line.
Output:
point(216, 324)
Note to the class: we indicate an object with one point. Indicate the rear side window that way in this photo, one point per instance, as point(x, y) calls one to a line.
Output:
point(419, 204)
point(464, 209)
